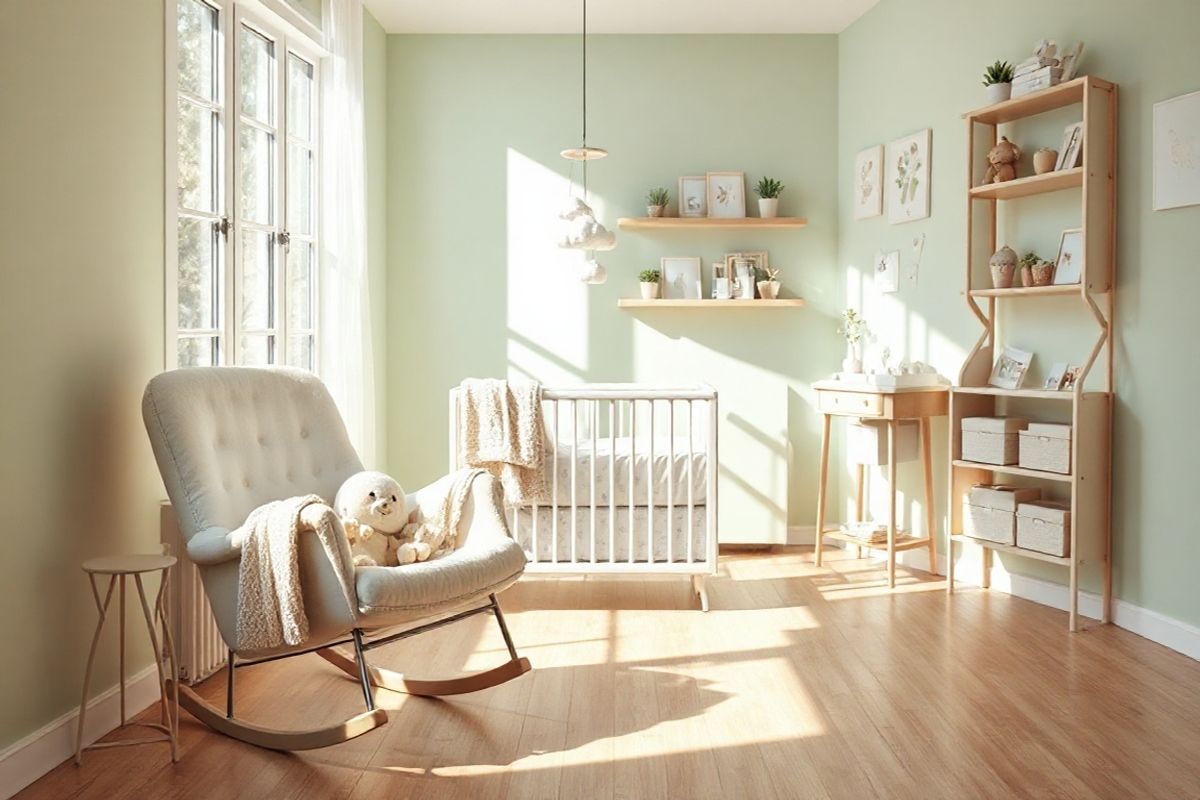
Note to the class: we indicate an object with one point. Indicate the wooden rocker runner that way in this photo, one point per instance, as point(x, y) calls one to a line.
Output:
point(228, 440)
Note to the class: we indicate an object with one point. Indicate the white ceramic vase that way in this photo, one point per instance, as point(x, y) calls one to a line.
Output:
point(852, 363)
point(998, 92)
point(768, 207)
point(649, 291)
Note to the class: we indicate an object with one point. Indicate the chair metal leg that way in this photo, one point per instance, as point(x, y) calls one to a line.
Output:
point(229, 685)
point(364, 676)
point(512, 649)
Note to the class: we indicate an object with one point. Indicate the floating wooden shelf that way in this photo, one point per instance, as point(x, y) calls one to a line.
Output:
point(663, 223)
point(1039, 102)
point(1010, 469)
point(1034, 184)
point(904, 541)
point(1005, 548)
point(1028, 394)
point(782, 302)
point(1029, 291)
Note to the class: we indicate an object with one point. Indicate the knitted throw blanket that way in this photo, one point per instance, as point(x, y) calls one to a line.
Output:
point(270, 602)
point(501, 432)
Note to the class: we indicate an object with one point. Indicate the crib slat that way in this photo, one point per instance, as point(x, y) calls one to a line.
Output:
point(691, 518)
point(612, 483)
point(650, 555)
point(554, 493)
point(595, 419)
point(632, 449)
point(711, 487)
point(574, 475)
point(671, 482)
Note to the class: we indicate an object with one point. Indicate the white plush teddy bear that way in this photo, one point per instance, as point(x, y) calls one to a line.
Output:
point(371, 506)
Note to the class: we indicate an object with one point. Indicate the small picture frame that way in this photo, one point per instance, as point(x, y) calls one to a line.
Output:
point(726, 194)
point(887, 271)
point(1058, 373)
point(680, 278)
point(1071, 148)
point(1068, 267)
point(722, 286)
point(868, 183)
point(1010, 368)
point(693, 196)
point(1070, 378)
point(759, 257)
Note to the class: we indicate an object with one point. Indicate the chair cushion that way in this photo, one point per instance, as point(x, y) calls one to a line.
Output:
point(392, 595)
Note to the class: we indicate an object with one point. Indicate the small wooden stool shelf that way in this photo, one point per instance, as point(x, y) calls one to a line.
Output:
point(780, 302)
point(695, 223)
point(118, 568)
point(1089, 484)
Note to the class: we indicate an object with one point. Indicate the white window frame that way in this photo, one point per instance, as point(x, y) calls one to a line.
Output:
point(290, 34)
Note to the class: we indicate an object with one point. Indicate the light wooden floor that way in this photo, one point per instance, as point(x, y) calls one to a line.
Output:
point(800, 683)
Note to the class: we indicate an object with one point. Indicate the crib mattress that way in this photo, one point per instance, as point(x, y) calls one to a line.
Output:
point(523, 533)
point(667, 471)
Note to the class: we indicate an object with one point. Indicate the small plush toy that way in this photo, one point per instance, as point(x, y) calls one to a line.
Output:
point(371, 506)
point(1002, 162)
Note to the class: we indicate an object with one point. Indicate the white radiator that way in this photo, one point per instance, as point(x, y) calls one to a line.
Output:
point(632, 480)
point(200, 649)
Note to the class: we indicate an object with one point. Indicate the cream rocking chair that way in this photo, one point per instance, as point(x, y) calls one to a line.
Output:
point(228, 439)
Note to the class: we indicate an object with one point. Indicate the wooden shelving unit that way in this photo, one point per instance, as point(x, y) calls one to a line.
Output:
point(782, 302)
point(696, 223)
point(1089, 486)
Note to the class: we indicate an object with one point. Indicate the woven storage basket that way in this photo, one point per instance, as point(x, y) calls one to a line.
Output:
point(991, 440)
point(1046, 446)
point(1045, 526)
point(989, 512)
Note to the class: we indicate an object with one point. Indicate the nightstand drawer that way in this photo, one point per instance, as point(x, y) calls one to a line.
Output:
point(860, 404)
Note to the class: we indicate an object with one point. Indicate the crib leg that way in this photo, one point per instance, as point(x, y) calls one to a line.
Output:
point(701, 590)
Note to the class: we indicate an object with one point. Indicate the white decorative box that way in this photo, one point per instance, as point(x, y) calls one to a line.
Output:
point(1045, 526)
point(868, 442)
point(989, 512)
point(1046, 446)
point(991, 440)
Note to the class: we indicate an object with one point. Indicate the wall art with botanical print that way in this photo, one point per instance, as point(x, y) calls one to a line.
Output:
point(868, 183)
point(907, 180)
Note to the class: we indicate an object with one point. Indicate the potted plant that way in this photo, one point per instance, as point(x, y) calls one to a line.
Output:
point(768, 283)
point(768, 190)
point(648, 279)
point(656, 202)
point(853, 329)
point(1003, 264)
point(1026, 267)
point(997, 79)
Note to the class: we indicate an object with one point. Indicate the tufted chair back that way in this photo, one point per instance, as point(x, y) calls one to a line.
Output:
point(228, 439)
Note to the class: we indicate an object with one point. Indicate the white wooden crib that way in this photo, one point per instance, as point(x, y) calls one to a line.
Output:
point(633, 482)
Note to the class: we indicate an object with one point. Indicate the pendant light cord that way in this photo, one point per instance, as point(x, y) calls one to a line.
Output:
point(584, 48)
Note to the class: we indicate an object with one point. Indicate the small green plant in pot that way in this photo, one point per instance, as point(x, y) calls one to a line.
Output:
point(768, 283)
point(768, 190)
point(656, 202)
point(997, 80)
point(1036, 271)
point(648, 279)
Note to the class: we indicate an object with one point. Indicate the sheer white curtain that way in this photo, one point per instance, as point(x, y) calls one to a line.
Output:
point(346, 347)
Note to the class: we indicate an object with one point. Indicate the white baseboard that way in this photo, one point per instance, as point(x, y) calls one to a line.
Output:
point(28, 759)
point(1167, 631)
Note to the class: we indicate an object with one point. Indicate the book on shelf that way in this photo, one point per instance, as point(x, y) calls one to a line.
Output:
point(1033, 64)
point(867, 532)
point(1042, 79)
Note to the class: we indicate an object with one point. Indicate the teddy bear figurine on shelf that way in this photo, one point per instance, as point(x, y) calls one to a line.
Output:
point(371, 506)
point(1002, 162)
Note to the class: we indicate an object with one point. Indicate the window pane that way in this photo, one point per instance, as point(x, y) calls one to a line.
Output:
point(256, 147)
point(257, 349)
point(196, 28)
point(257, 70)
point(299, 285)
point(299, 189)
point(257, 281)
point(197, 175)
point(197, 273)
point(300, 92)
point(197, 351)
point(299, 352)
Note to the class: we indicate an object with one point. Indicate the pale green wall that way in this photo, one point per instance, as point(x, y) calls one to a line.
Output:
point(475, 126)
point(911, 64)
point(375, 133)
point(81, 330)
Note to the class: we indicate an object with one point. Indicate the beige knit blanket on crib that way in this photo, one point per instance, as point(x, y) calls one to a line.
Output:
point(270, 601)
point(501, 431)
